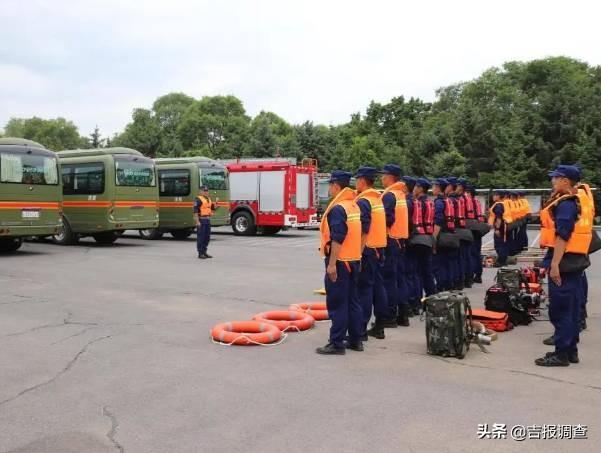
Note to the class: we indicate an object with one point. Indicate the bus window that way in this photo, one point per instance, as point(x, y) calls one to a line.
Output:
point(134, 172)
point(213, 178)
point(174, 183)
point(83, 179)
point(28, 169)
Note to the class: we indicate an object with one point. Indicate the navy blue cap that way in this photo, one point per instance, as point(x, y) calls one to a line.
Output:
point(567, 171)
point(452, 180)
point(462, 182)
point(442, 182)
point(367, 172)
point(341, 176)
point(409, 181)
point(423, 182)
point(391, 169)
point(204, 188)
point(500, 192)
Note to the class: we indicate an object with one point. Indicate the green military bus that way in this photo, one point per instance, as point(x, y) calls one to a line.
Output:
point(30, 192)
point(179, 180)
point(105, 192)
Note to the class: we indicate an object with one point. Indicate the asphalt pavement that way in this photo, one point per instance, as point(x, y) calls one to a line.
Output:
point(107, 349)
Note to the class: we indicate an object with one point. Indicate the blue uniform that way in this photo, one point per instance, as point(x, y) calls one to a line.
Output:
point(406, 273)
point(440, 260)
point(203, 232)
point(565, 301)
point(390, 267)
point(414, 286)
point(422, 258)
point(371, 284)
point(342, 297)
point(500, 242)
point(460, 258)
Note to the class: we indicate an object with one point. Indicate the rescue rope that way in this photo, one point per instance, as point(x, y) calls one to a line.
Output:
point(277, 343)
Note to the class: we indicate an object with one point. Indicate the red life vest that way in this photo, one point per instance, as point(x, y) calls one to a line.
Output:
point(449, 214)
point(423, 216)
point(470, 213)
point(459, 212)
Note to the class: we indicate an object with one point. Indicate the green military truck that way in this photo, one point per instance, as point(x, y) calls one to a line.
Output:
point(179, 180)
point(30, 192)
point(105, 192)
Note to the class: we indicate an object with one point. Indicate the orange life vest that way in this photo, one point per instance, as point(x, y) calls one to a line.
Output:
point(206, 208)
point(581, 237)
point(376, 237)
point(351, 246)
point(400, 228)
point(507, 217)
point(585, 188)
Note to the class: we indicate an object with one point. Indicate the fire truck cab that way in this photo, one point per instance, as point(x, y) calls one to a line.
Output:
point(268, 195)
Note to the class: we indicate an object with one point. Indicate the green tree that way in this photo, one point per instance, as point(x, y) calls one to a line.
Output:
point(56, 134)
point(142, 134)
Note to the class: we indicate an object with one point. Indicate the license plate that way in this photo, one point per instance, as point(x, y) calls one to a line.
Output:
point(30, 214)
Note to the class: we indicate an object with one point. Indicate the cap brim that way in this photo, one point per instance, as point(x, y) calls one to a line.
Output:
point(553, 174)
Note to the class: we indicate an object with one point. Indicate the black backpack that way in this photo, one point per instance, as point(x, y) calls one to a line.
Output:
point(501, 299)
point(448, 324)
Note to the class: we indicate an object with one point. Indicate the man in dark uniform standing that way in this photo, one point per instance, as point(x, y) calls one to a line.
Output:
point(373, 244)
point(444, 221)
point(414, 289)
point(423, 225)
point(341, 249)
point(496, 219)
point(203, 210)
point(566, 230)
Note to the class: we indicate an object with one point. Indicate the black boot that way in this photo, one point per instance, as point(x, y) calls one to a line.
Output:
point(549, 341)
point(477, 279)
point(468, 282)
point(354, 346)
point(553, 359)
point(403, 316)
point(377, 331)
point(389, 323)
point(573, 357)
point(331, 349)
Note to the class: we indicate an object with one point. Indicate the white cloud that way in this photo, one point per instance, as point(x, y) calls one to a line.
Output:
point(94, 61)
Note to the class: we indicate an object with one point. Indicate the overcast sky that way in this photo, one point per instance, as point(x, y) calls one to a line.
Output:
point(94, 61)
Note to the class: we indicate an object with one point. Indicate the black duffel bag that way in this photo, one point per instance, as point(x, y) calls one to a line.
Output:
point(447, 240)
point(595, 243)
point(464, 234)
point(480, 229)
point(574, 262)
point(425, 240)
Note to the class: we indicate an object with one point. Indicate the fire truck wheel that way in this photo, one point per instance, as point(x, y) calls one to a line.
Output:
point(243, 224)
point(270, 230)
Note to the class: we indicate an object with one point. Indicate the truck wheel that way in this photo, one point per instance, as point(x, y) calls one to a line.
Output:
point(270, 230)
point(150, 234)
point(243, 224)
point(10, 245)
point(106, 238)
point(65, 236)
point(180, 235)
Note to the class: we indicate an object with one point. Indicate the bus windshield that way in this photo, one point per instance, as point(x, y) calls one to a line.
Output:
point(135, 171)
point(30, 168)
point(213, 178)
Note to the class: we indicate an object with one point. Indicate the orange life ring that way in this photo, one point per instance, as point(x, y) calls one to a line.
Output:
point(286, 320)
point(245, 333)
point(318, 310)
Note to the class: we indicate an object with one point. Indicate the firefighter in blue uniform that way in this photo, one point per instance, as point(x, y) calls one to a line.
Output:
point(341, 248)
point(203, 210)
point(442, 223)
point(524, 237)
point(496, 220)
point(465, 251)
point(477, 244)
point(414, 290)
point(395, 206)
point(423, 225)
point(373, 243)
point(455, 255)
point(513, 236)
point(566, 229)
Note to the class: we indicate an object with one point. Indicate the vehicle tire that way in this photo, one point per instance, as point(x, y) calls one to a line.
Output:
point(150, 234)
point(105, 238)
point(243, 224)
point(10, 245)
point(180, 235)
point(270, 230)
point(66, 236)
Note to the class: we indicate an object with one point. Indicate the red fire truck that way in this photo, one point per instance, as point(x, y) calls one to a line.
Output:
point(268, 195)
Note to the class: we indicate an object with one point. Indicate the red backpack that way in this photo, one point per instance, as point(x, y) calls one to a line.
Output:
point(493, 320)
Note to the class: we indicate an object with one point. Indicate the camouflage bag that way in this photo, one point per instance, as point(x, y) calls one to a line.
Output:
point(512, 279)
point(448, 324)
